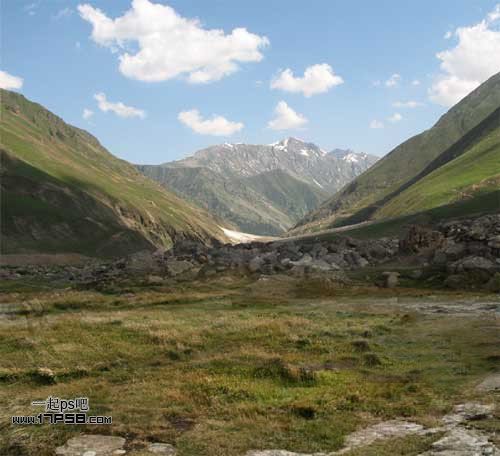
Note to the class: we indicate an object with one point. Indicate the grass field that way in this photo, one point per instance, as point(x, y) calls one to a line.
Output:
point(223, 367)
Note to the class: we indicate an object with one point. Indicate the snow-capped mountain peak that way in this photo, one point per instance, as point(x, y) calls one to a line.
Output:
point(300, 159)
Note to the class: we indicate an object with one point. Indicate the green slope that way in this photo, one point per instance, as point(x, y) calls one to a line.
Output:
point(266, 204)
point(63, 192)
point(359, 200)
point(475, 170)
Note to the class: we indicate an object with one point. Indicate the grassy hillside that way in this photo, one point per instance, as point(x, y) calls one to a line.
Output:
point(359, 200)
point(63, 192)
point(266, 204)
point(476, 170)
point(479, 204)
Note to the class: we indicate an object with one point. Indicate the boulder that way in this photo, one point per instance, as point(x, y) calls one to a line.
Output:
point(473, 263)
point(419, 239)
point(92, 445)
point(255, 264)
point(163, 449)
point(455, 281)
point(306, 260)
point(176, 267)
point(390, 279)
point(494, 242)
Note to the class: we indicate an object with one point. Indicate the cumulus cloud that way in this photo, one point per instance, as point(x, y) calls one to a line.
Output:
point(475, 58)
point(216, 126)
point(87, 113)
point(393, 81)
point(286, 118)
point(10, 82)
point(415, 82)
point(156, 44)
point(376, 124)
point(396, 117)
point(317, 78)
point(407, 104)
point(118, 108)
point(448, 35)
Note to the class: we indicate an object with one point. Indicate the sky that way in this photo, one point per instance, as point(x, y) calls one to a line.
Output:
point(156, 80)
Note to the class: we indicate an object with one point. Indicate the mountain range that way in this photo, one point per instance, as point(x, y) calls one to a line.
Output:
point(63, 192)
point(261, 189)
point(456, 162)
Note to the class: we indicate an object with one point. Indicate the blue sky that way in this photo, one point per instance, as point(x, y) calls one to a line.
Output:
point(50, 46)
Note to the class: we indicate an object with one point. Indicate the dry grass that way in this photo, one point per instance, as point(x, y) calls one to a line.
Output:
point(219, 368)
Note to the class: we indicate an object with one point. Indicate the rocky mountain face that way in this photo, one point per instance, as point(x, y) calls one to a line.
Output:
point(301, 160)
point(440, 166)
point(260, 189)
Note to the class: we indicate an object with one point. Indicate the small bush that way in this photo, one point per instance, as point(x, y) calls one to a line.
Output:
point(43, 376)
point(277, 369)
point(371, 360)
point(360, 345)
point(306, 412)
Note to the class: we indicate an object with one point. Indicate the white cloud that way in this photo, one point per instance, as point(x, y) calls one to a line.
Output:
point(393, 81)
point(216, 126)
point(118, 108)
point(407, 104)
point(448, 35)
point(376, 124)
point(286, 118)
point(65, 12)
point(396, 117)
point(415, 82)
point(87, 113)
point(474, 59)
point(169, 45)
point(10, 82)
point(494, 15)
point(376, 83)
point(317, 78)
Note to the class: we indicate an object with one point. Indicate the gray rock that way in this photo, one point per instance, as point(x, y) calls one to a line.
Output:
point(468, 411)
point(92, 445)
point(280, 453)
point(390, 279)
point(255, 264)
point(472, 263)
point(494, 242)
point(453, 250)
point(462, 442)
point(176, 267)
point(384, 430)
point(440, 257)
point(306, 260)
point(163, 449)
point(455, 281)
point(490, 383)
point(154, 279)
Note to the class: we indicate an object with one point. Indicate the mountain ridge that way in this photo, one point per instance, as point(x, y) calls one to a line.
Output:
point(362, 198)
point(62, 191)
point(236, 181)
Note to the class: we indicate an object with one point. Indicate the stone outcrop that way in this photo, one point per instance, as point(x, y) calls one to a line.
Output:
point(464, 254)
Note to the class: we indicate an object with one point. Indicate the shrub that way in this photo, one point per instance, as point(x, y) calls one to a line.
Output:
point(277, 369)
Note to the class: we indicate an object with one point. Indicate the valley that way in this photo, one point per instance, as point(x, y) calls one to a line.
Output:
point(261, 295)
